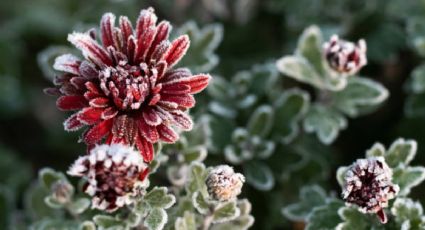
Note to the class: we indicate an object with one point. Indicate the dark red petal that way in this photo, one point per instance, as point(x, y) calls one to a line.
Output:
point(176, 89)
point(161, 67)
point(144, 174)
point(72, 123)
point(143, 44)
point(97, 132)
point(182, 120)
point(167, 134)
point(131, 48)
point(90, 86)
point(177, 50)
point(147, 131)
point(106, 29)
point(145, 148)
point(67, 63)
point(69, 89)
point(52, 91)
point(151, 117)
point(62, 79)
point(126, 30)
point(78, 82)
point(147, 19)
point(109, 113)
point(160, 51)
point(185, 100)
point(90, 95)
point(198, 82)
point(91, 49)
point(90, 115)
point(66, 103)
point(175, 74)
point(162, 32)
point(87, 70)
point(99, 102)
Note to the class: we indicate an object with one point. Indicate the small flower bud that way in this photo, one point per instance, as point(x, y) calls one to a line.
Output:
point(62, 191)
point(223, 183)
point(115, 175)
point(344, 56)
point(368, 185)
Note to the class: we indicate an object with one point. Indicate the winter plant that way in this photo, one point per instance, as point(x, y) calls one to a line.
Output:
point(247, 115)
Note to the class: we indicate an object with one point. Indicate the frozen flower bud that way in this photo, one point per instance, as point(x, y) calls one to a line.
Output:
point(368, 185)
point(62, 191)
point(223, 183)
point(115, 175)
point(344, 56)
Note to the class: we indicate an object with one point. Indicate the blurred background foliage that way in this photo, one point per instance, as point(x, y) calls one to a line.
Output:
point(253, 34)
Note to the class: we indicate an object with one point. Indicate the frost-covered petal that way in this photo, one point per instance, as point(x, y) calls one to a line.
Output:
point(67, 63)
point(90, 48)
point(97, 132)
point(72, 123)
point(167, 134)
point(177, 50)
point(90, 115)
point(74, 102)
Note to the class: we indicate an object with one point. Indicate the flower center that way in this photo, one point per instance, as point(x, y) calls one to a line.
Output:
point(130, 86)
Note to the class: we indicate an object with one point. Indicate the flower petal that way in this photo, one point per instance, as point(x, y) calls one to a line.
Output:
point(151, 117)
point(72, 123)
point(147, 19)
point(162, 32)
point(167, 134)
point(87, 70)
point(67, 63)
point(90, 48)
point(185, 100)
point(109, 113)
point(177, 50)
point(106, 29)
point(90, 116)
point(176, 89)
point(198, 82)
point(74, 102)
point(173, 75)
point(99, 102)
point(145, 148)
point(143, 44)
point(182, 120)
point(126, 30)
point(147, 131)
point(97, 132)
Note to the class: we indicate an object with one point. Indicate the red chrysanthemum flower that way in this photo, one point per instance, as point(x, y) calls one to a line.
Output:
point(126, 90)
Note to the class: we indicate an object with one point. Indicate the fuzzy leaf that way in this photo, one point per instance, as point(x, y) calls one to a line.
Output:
point(48, 177)
point(79, 205)
point(310, 197)
point(408, 177)
point(35, 205)
point(289, 108)
point(106, 222)
point(300, 69)
point(355, 220)
point(197, 178)
point(325, 217)
point(310, 47)
point(87, 225)
point(225, 212)
point(203, 42)
point(340, 175)
point(187, 222)
point(401, 152)
point(417, 84)
point(325, 122)
point(158, 198)
point(359, 96)
point(261, 121)
point(200, 203)
point(197, 153)
point(408, 214)
point(240, 223)
point(156, 219)
point(259, 175)
point(52, 203)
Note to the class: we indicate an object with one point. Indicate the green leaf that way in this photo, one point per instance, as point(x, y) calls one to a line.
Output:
point(106, 222)
point(401, 152)
point(240, 223)
point(340, 175)
point(6, 206)
point(300, 69)
point(408, 214)
point(55, 224)
point(310, 197)
point(261, 121)
point(200, 203)
point(203, 42)
point(48, 177)
point(87, 225)
point(377, 150)
point(79, 205)
point(158, 198)
point(355, 220)
point(310, 47)
point(359, 96)
point(187, 222)
point(156, 219)
point(417, 84)
point(325, 122)
point(35, 206)
point(290, 107)
point(196, 181)
point(225, 212)
point(52, 202)
point(196, 153)
point(407, 178)
point(325, 217)
point(259, 175)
